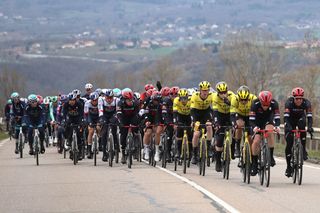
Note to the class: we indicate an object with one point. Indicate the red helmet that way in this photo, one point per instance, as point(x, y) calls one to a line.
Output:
point(156, 95)
point(127, 94)
point(148, 86)
point(265, 98)
point(165, 91)
point(298, 91)
point(174, 90)
point(40, 99)
point(149, 92)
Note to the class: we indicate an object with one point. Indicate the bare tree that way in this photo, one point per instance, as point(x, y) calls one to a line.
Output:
point(251, 58)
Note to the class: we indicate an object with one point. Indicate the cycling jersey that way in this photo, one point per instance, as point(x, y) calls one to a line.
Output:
point(34, 116)
point(201, 104)
point(91, 112)
point(73, 113)
point(179, 107)
point(294, 113)
point(258, 117)
point(106, 109)
point(222, 105)
point(167, 109)
point(240, 109)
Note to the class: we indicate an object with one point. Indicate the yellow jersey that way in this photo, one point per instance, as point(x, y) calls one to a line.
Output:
point(183, 109)
point(238, 107)
point(198, 103)
point(220, 105)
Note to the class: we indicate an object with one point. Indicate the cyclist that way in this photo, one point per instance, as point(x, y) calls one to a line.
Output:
point(34, 117)
point(107, 113)
point(16, 115)
point(73, 115)
point(297, 111)
point(239, 112)
point(89, 89)
point(168, 95)
point(127, 113)
point(145, 95)
point(7, 110)
point(152, 118)
point(117, 92)
point(59, 119)
point(264, 114)
point(48, 111)
point(91, 114)
point(181, 117)
point(201, 103)
point(221, 111)
point(54, 101)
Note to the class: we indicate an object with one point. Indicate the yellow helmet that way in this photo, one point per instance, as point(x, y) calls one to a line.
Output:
point(243, 92)
point(222, 87)
point(183, 93)
point(204, 85)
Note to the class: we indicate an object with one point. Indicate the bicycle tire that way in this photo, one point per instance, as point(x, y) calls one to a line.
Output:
point(204, 158)
point(163, 152)
point(261, 167)
point(248, 162)
point(110, 148)
point(75, 157)
point(129, 150)
point(64, 147)
point(139, 147)
point(227, 159)
point(174, 154)
point(36, 144)
point(242, 160)
point(21, 145)
point(267, 166)
point(200, 155)
point(294, 163)
point(74, 150)
point(95, 148)
point(46, 137)
point(184, 156)
point(300, 163)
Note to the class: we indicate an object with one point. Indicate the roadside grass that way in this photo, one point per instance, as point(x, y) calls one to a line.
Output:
point(3, 135)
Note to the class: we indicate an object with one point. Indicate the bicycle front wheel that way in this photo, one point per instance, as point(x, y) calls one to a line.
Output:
point(185, 156)
point(204, 157)
point(300, 163)
point(267, 166)
point(21, 145)
point(248, 163)
point(111, 149)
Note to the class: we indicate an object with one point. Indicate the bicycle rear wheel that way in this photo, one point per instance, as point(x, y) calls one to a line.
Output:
point(294, 163)
point(164, 151)
point(261, 167)
point(200, 155)
point(94, 150)
point(36, 144)
point(300, 163)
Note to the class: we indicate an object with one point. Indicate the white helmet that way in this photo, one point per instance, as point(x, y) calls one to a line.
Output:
point(190, 91)
point(88, 86)
point(137, 95)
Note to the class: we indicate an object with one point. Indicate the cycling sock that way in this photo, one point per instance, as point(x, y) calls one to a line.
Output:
point(157, 148)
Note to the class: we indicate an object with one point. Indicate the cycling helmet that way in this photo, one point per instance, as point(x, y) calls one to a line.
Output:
point(94, 96)
point(183, 93)
point(103, 91)
point(54, 99)
point(222, 87)
point(137, 95)
point(109, 93)
point(9, 101)
point(63, 98)
point(32, 98)
point(72, 96)
point(148, 86)
point(88, 86)
point(204, 85)
point(265, 98)
point(298, 91)
point(156, 95)
point(46, 101)
point(116, 92)
point(127, 94)
point(165, 91)
point(174, 90)
point(76, 92)
point(149, 92)
point(98, 90)
point(40, 99)
point(15, 95)
point(190, 91)
point(243, 92)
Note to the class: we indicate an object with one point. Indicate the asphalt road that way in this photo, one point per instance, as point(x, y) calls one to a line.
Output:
point(56, 185)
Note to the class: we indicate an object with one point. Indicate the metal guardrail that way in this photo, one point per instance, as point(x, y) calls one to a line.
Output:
point(313, 144)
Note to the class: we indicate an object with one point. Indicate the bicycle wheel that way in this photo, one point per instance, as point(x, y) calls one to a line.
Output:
point(294, 162)
point(64, 141)
point(242, 165)
point(300, 163)
point(139, 141)
point(267, 166)
point(94, 150)
point(175, 151)
point(153, 152)
point(226, 160)
point(129, 150)
point(184, 148)
point(74, 150)
point(248, 162)
point(46, 137)
point(261, 166)
point(165, 149)
point(21, 145)
point(200, 155)
point(110, 147)
point(36, 146)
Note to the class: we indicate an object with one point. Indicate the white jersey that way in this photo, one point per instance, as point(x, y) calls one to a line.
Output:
point(107, 109)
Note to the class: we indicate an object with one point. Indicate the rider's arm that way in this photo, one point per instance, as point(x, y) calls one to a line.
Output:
point(51, 112)
point(252, 114)
point(309, 113)
point(276, 114)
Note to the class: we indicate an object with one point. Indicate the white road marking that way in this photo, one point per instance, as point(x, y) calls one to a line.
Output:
point(213, 197)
